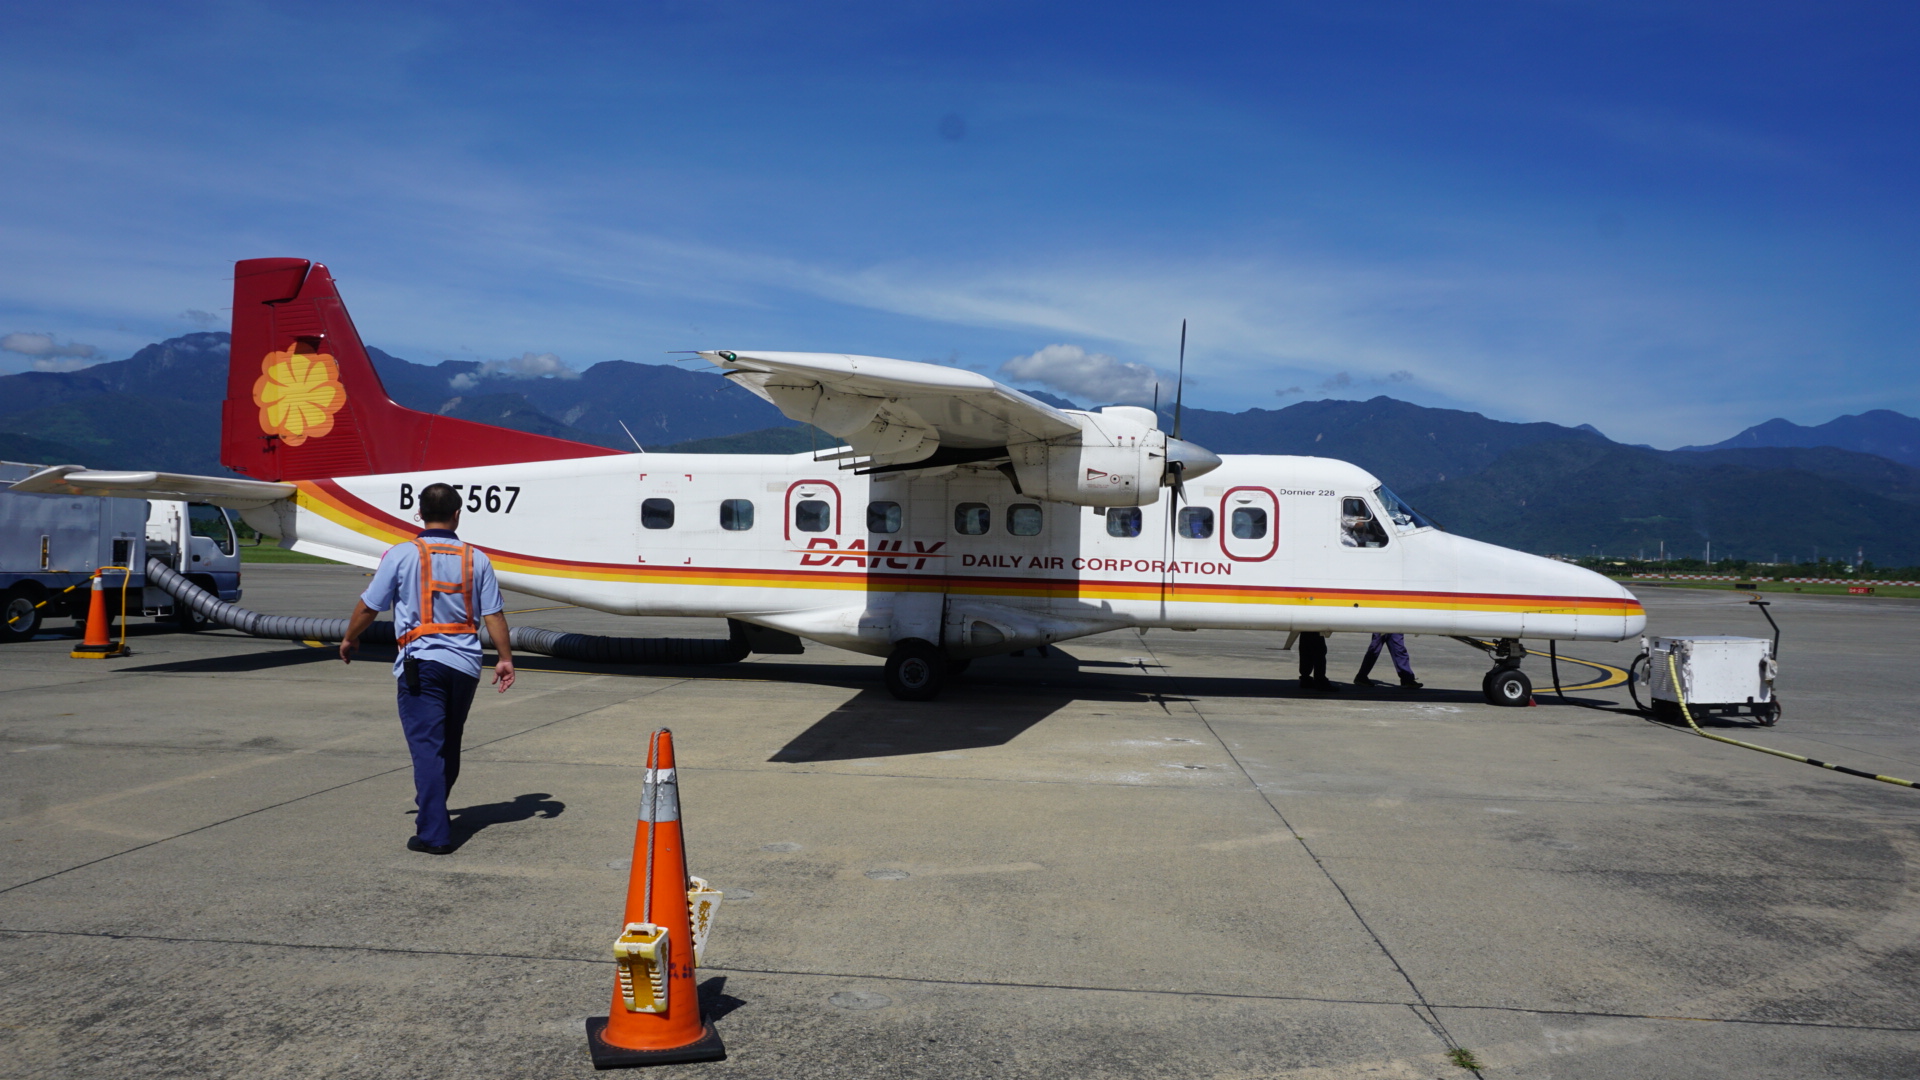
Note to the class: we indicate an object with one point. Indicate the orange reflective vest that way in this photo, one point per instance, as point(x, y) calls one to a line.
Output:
point(429, 587)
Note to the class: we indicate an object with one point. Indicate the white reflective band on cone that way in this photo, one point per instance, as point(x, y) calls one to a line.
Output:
point(660, 797)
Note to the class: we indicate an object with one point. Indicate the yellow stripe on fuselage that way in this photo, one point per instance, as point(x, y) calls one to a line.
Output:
point(315, 498)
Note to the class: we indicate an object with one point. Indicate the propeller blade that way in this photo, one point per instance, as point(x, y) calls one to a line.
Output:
point(1180, 384)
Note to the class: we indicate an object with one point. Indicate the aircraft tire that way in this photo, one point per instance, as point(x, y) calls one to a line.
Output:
point(917, 671)
point(1508, 687)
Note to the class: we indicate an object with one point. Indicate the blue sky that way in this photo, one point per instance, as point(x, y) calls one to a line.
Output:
point(1671, 221)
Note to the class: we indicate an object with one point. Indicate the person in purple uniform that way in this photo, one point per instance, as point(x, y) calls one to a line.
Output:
point(1396, 646)
point(439, 664)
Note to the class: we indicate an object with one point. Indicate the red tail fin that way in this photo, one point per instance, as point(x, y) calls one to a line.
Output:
point(303, 400)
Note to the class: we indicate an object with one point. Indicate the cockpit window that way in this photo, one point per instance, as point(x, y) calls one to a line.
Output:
point(1358, 528)
point(1404, 517)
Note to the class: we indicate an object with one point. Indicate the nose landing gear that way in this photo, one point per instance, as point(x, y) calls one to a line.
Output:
point(1506, 684)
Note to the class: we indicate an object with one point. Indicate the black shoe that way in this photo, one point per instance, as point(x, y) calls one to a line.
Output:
point(1411, 684)
point(1327, 686)
point(1363, 681)
point(414, 843)
point(1306, 683)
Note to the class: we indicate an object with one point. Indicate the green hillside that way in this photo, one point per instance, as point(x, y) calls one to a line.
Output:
point(780, 440)
point(1580, 498)
point(1541, 487)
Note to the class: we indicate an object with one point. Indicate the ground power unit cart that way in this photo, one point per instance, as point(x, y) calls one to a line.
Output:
point(1718, 675)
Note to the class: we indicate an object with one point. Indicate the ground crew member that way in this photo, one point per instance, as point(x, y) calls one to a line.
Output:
point(434, 584)
point(1397, 648)
point(1313, 662)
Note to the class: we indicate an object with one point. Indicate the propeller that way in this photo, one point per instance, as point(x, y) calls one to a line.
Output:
point(1176, 467)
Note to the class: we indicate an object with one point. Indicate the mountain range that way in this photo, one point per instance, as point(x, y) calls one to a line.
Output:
point(1884, 432)
point(1775, 489)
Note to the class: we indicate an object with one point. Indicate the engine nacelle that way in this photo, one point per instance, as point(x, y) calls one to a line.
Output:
point(1118, 459)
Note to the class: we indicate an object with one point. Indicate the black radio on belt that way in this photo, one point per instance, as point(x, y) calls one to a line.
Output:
point(411, 665)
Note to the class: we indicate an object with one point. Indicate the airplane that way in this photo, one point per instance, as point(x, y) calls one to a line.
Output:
point(959, 518)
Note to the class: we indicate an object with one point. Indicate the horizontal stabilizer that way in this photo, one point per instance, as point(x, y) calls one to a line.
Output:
point(230, 492)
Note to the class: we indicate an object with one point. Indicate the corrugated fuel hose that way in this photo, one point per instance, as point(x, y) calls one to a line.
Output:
point(1673, 673)
point(559, 644)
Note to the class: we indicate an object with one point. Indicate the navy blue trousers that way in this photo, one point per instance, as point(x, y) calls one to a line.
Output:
point(1396, 647)
point(434, 720)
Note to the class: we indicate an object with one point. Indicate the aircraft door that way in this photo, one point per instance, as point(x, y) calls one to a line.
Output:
point(918, 573)
point(815, 517)
point(1249, 524)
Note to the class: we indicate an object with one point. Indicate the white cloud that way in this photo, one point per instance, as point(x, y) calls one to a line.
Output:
point(202, 319)
point(44, 346)
point(44, 363)
point(1080, 374)
point(525, 366)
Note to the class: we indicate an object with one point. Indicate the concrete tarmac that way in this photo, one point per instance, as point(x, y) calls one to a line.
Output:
point(1143, 856)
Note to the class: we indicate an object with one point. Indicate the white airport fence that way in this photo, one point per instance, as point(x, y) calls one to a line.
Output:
point(1764, 578)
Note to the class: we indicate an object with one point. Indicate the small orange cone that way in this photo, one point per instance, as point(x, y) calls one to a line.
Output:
point(98, 645)
point(655, 1016)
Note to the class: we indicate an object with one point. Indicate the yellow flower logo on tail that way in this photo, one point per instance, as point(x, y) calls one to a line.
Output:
point(298, 395)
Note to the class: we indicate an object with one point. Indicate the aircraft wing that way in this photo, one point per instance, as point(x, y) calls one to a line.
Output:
point(894, 412)
point(230, 492)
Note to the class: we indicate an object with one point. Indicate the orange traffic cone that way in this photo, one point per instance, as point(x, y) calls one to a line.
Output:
point(97, 645)
point(655, 1017)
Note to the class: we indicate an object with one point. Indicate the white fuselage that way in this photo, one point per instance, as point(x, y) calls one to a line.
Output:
point(643, 534)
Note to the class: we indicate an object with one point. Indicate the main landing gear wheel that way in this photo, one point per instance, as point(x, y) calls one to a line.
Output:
point(916, 671)
point(1507, 686)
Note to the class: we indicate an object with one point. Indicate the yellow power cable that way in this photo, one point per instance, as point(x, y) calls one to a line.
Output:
point(1673, 672)
point(126, 575)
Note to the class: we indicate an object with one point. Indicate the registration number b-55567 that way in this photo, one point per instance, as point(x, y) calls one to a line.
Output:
point(477, 498)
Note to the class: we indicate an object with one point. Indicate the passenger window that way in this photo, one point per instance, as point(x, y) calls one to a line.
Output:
point(208, 521)
point(656, 514)
point(1123, 521)
point(883, 517)
point(1196, 523)
point(812, 515)
point(1358, 528)
point(1249, 523)
point(1023, 519)
point(736, 515)
point(972, 519)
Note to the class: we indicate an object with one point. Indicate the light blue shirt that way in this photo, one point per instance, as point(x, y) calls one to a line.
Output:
point(396, 586)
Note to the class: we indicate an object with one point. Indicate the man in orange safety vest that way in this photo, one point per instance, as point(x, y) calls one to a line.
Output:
point(435, 585)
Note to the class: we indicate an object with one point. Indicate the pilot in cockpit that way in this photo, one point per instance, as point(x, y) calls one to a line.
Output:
point(1358, 528)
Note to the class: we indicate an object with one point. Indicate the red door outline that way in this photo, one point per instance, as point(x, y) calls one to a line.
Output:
point(1226, 524)
point(786, 507)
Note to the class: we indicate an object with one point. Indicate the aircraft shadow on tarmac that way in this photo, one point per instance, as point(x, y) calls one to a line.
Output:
point(873, 724)
point(269, 659)
point(1044, 683)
